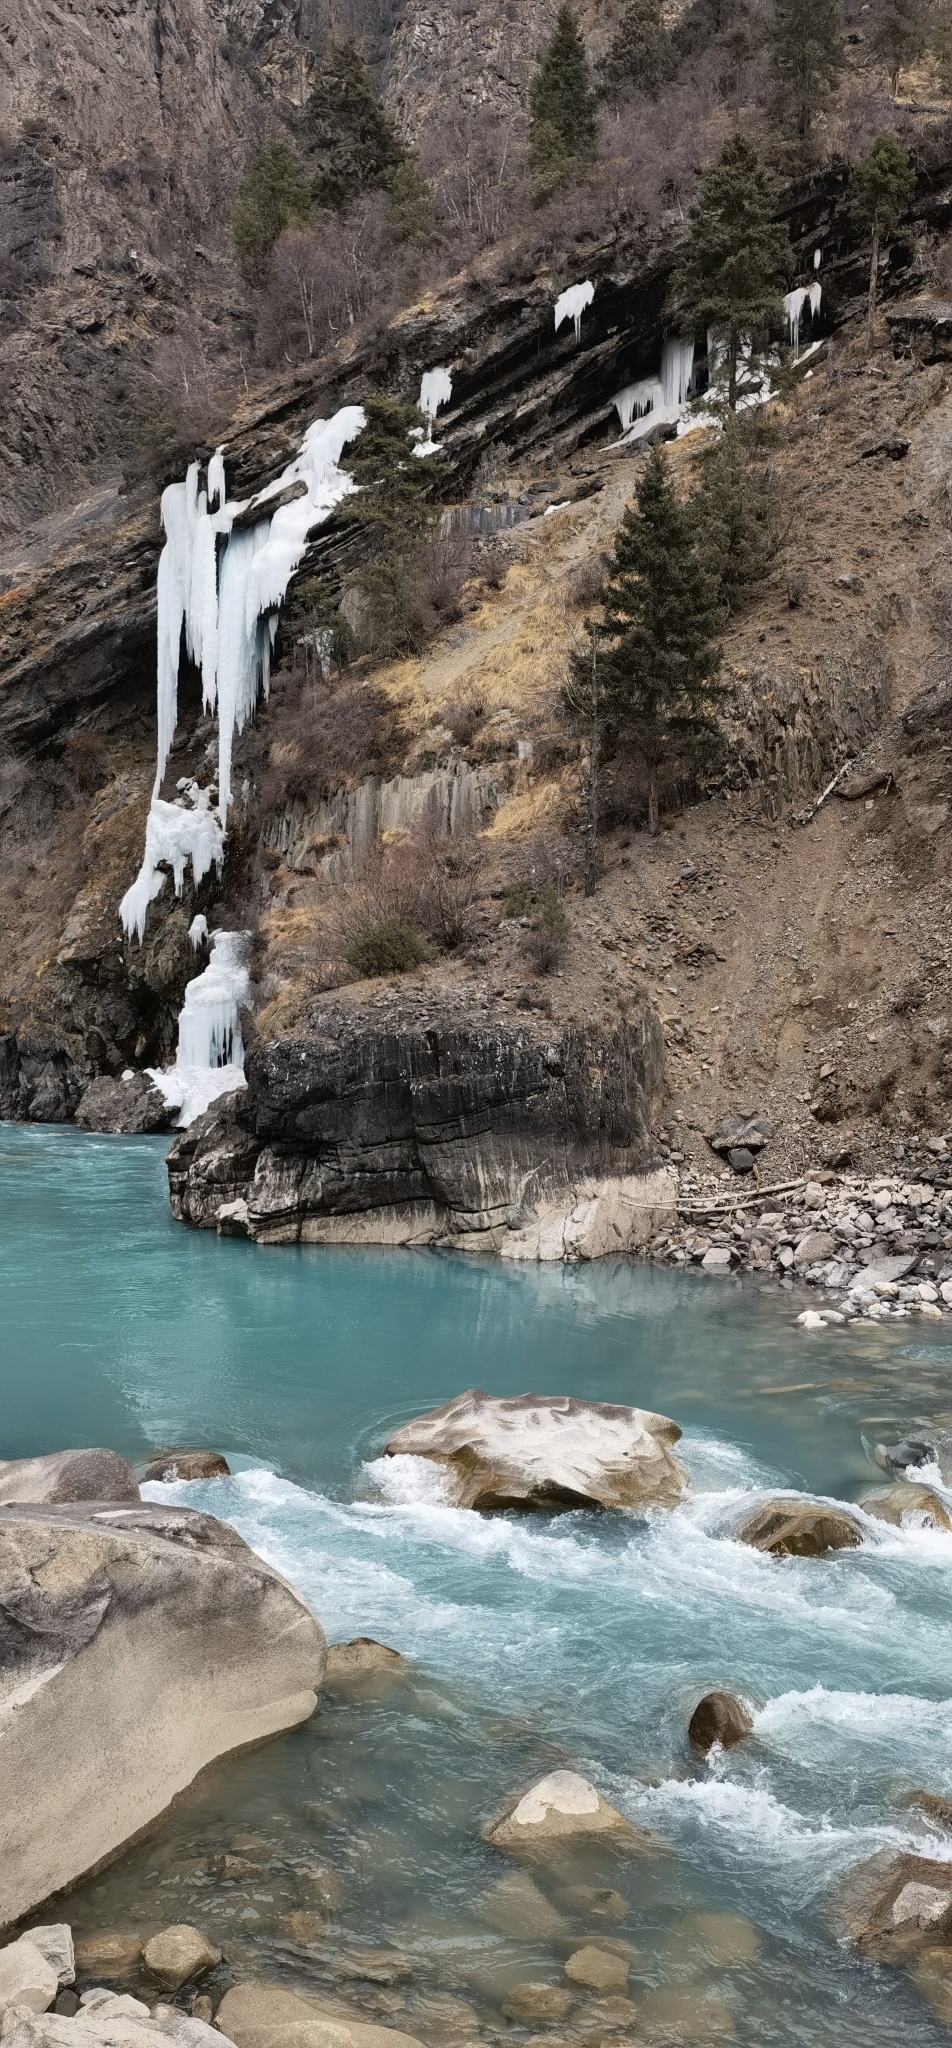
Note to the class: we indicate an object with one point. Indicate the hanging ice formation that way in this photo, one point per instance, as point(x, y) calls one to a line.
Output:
point(224, 587)
point(664, 396)
point(210, 1057)
point(571, 304)
point(793, 305)
point(436, 389)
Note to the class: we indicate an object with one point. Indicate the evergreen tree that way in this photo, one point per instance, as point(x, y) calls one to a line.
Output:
point(642, 56)
point(737, 520)
point(410, 219)
point(275, 194)
point(657, 656)
point(885, 188)
point(399, 510)
point(727, 276)
point(806, 57)
point(899, 35)
point(563, 128)
point(355, 146)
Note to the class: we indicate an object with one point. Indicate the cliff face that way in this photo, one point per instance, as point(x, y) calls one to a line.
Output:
point(497, 1140)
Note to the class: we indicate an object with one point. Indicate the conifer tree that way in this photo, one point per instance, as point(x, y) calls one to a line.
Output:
point(737, 520)
point(642, 55)
point(410, 218)
point(563, 128)
point(355, 146)
point(657, 657)
point(275, 194)
point(885, 189)
point(898, 35)
point(806, 56)
point(399, 510)
point(727, 276)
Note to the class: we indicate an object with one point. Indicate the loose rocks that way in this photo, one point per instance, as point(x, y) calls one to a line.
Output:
point(561, 1806)
point(546, 1451)
point(597, 1970)
point(797, 1528)
point(718, 1717)
point(177, 1954)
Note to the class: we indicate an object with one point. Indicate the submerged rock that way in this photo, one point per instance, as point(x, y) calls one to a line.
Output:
point(267, 2016)
point(185, 1464)
point(113, 1956)
point(915, 1507)
point(361, 1658)
point(516, 1907)
point(937, 1809)
point(718, 1717)
point(156, 1623)
point(800, 1528)
point(178, 1954)
point(593, 1902)
point(894, 1906)
point(537, 2004)
point(68, 1476)
point(560, 1807)
point(547, 1452)
point(596, 1969)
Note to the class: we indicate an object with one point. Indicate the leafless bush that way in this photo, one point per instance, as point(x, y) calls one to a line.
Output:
point(324, 280)
point(426, 883)
point(464, 717)
point(444, 566)
point(587, 582)
point(475, 160)
point(314, 736)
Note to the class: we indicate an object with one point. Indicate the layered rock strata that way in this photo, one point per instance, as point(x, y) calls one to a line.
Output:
point(487, 1140)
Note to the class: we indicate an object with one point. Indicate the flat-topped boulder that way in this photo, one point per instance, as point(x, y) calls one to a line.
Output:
point(795, 1527)
point(156, 1625)
point(268, 2016)
point(68, 1476)
point(546, 1451)
point(560, 1808)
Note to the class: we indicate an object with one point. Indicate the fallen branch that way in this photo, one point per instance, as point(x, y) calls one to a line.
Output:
point(783, 1187)
point(805, 817)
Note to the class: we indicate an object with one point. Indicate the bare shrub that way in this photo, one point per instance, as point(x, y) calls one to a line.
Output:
point(587, 581)
point(464, 717)
point(322, 281)
point(441, 573)
point(493, 564)
point(315, 735)
point(475, 160)
point(424, 883)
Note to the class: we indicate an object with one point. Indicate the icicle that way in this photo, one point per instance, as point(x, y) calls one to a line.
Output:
point(198, 932)
point(817, 253)
point(571, 304)
point(209, 1061)
point(216, 477)
point(435, 390)
point(793, 305)
point(175, 835)
point(677, 364)
point(638, 399)
point(815, 294)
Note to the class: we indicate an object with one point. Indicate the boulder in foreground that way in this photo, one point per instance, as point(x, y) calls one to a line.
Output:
point(140, 1644)
point(800, 1528)
point(547, 1452)
point(109, 2019)
point(267, 2016)
point(68, 1476)
point(894, 1907)
point(561, 1807)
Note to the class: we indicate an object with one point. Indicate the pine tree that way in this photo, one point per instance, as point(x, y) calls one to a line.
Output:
point(355, 146)
point(642, 56)
point(885, 188)
point(563, 128)
point(656, 641)
point(727, 276)
point(737, 520)
point(806, 56)
point(275, 194)
point(410, 218)
point(898, 35)
point(398, 508)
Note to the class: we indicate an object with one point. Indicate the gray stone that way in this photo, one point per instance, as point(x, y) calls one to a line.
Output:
point(56, 1943)
point(113, 2020)
point(546, 1451)
point(157, 1623)
point(68, 1476)
point(184, 1464)
point(717, 1259)
point(560, 1807)
point(814, 1246)
point(741, 1159)
point(26, 1977)
point(135, 1106)
point(177, 1954)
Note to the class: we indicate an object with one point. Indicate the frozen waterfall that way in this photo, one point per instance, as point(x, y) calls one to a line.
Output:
point(436, 389)
point(210, 1057)
point(571, 304)
point(794, 304)
point(664, 396)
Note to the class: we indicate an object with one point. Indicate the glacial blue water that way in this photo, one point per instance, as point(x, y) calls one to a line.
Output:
point(582, 1639)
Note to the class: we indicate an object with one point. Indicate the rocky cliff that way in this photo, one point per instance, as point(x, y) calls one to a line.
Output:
point(511, 1141)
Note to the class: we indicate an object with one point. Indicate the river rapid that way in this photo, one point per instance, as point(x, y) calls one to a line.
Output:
point(580, 1640)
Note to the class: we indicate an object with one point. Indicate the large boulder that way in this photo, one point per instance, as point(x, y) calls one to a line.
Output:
point(27, 1978)
point(800, 1528)
point(546, 1451)
point(893, 1907)
point(560, 1808)
point(68, 1476)
point(908, 1507)
point(138, 1643)
point(267, 2016)
point(184, 1464)
point(108, 2019)
point(134, 1106)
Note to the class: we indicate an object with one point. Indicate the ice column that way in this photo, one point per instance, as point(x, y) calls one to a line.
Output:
point(210, 1057)
point(571, 304)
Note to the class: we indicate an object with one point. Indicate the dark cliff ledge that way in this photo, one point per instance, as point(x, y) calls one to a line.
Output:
point(507, 1141)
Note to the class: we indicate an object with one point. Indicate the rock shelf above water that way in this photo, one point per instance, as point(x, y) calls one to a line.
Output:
point(546, 1452)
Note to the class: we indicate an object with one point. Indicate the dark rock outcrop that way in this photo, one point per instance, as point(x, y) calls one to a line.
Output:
point(497, 1139)
point(157, 1624)
point(134, 1106)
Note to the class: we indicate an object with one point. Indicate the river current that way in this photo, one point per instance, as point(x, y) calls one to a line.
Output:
point(580, 1640)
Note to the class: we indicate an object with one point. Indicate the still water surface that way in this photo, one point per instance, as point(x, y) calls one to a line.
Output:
point(582, 1640)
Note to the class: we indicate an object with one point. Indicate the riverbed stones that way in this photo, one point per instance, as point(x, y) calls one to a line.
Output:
point(597, 1969)
point(306, 1930)
point(185, 1464)
point(537, 2005)
point(516, 1907)
point(156, 1623)
point(719, 1717)
point(593, 1902)
point(937, 1809)
point(110, 1955)
point(894, 1906)
point(361, 1658)
point(727, 1938)
point(113, 2020)
point(26, 1977)
point(690, 2016)
point(178, 1954)
point(800, 1528)
point(560, 1808)
point(267, 2016)
point(546, 1452)
point(908, 1507)
point(55, 1942)
point(67, 1476)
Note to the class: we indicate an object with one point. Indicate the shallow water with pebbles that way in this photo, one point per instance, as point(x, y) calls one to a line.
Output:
point(579, 1640)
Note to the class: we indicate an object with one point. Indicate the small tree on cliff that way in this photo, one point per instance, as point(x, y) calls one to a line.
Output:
point(642, 56)
point(398, 506)
point(275, 194)
point(563, 128)
point(354, 144)
point(728, 274)
point(648, 677)
point(885, 189)
point(899, 35)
